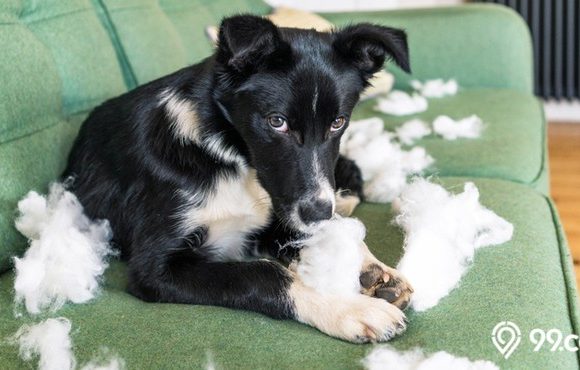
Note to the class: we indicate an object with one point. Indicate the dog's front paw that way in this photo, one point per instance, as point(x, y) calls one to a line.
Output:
point(366, 319)
point(380, 281)
point(355, 318)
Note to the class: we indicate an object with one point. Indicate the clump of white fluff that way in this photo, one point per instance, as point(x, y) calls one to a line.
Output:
point(49, 341)
point(386, 357)
point(469, 127)
point(411, 131)
point(442, 232)
point(400, 103)
point(437, 88)
point(384, 165)
point(67, 254)
point(105, 360)
point(331, 258)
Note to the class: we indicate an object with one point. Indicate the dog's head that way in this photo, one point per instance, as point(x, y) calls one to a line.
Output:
point(290, 93)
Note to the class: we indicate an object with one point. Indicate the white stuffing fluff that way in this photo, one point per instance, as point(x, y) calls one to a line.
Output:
point(400, 103)
point(442, 232)
point(105, 361)
point(469, 127)
point(67, 254)
point(386, 357)
point(437, 88)
point(384, 165)
point(49, 341)
point(331, 258)
point(412, 130)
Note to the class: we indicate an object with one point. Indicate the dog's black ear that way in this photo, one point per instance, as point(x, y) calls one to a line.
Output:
point(368, 45)
point(246, 41)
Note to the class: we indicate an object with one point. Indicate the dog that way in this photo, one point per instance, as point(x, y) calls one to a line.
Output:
point(201, 170)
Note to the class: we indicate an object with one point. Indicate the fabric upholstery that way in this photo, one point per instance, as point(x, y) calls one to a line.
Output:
point(57, 60)
point(170, 33)
point(61, 58)
point(441, 42)
point(526, 281)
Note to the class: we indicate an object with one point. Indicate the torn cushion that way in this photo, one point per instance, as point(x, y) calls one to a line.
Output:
point(522, 281)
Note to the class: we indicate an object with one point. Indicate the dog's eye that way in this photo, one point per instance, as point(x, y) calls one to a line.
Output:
point(278, 122)
point(338, 123)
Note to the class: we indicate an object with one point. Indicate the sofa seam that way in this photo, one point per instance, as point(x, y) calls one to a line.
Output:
point(544, 145)
point(106, 20)
point(34, 132)
point(27, 20)
point(567, 273)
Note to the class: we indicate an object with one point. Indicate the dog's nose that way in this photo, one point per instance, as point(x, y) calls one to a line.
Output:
point(315, 210)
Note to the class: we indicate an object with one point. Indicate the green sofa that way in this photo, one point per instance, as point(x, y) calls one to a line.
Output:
point(59, 59)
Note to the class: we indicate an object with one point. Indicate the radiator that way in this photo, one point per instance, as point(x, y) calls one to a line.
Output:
point(554, 25)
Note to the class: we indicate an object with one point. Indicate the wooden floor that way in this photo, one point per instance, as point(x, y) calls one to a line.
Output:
point(564, 149)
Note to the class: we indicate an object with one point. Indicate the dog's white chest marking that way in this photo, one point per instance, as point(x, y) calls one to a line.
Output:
point(235, 207)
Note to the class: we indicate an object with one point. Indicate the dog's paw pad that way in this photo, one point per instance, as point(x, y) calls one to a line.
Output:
point(386, 283)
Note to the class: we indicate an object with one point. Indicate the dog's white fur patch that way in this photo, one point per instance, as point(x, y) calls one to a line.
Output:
point(215, 146)
point(437, 88)
point(442, 232)
point(385, 166)
point(236, 206)
point(385, 357)
point(50, 342)
point(355, 318)
point(469, 127)
point(345, 204)
point(400, 103)
point(315, 100)
point(182, 114)
point(324, 189)
point(331, 258)
point(68, 252)
point(411, 131)
point(186, 126)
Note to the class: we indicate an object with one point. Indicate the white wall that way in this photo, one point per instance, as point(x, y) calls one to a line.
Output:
point(350, 5)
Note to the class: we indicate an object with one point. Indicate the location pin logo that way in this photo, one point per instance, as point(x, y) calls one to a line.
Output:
point(506, 337)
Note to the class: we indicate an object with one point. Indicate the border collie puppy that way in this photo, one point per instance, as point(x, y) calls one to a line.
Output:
point(235, 156)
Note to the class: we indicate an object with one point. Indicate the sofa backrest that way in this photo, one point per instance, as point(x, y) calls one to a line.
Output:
point(160, 36)
point(62, 58)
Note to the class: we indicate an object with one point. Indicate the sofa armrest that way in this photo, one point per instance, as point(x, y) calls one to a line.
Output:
point(481, 45)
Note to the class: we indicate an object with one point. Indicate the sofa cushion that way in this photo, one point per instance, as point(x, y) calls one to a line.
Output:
point(170, 36)
point(38, 44)
point(511, 146)
point(158, 37)
point(528, 281)
point(57, 60)
point(30, 162)
point(481, 45)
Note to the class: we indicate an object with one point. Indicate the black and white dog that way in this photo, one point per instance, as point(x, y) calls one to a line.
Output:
point(200, 169)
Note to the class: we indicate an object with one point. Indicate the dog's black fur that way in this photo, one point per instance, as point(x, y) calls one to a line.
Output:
point(276, 98)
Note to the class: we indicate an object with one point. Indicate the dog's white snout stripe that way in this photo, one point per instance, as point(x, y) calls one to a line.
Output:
point(324, 190)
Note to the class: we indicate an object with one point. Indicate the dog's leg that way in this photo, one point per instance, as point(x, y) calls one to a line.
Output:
point(269, 288)
point(381, 281)
point(357, 318)
point(348, 177)
point(349, 185)
point(185, 277)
